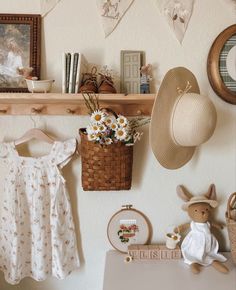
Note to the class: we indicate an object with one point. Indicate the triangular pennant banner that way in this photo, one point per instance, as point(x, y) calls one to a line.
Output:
point(177, 14)
point(111, 12)
point(47, 6)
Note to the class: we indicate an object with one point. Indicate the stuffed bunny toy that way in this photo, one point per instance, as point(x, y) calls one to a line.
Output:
point(200, 247)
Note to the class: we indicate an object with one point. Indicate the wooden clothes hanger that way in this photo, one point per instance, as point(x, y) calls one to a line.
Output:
point(34, 133)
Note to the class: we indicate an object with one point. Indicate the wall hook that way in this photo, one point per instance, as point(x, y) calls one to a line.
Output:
point(3, 111)
point(70, 111)
point(36, 110)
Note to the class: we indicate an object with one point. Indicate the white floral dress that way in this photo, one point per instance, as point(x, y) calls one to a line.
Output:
point(37, 234)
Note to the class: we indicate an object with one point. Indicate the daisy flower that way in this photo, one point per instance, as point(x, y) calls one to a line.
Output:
point(98, 117)
point(102, 128)
point(114, 126)
point(95, 128)
point(89, 129)
point(127, 138)
point(122, 121)
point(98, 136)
point(109, 121)
point(92, 137)
point(120, 134)
point(108, 141)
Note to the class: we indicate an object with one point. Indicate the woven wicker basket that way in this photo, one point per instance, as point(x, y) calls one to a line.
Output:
point(231, 224)
point(107, 167)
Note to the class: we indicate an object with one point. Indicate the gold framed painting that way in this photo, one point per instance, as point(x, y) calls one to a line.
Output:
point(20, 43)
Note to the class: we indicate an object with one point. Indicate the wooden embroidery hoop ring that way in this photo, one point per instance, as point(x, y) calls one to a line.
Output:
point(129, 207)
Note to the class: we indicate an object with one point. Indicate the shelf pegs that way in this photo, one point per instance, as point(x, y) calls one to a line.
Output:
point(70, 111)
point(3, 111)
point(36, 110)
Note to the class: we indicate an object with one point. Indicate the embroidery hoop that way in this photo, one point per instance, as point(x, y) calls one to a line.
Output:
point(115, 233)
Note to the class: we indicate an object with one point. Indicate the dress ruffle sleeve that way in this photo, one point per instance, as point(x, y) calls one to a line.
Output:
point(4, 150)
point(65, 151)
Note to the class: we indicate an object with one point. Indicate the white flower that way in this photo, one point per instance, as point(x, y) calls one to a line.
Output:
point(108, 141)
point(89, 129)
point(92, 137)
point(127, 137)
point(114, 126)
point(98, 136)
point(102, 128)
point(121, 134)
point(98, 117)
point(109, 121)
point(94, 128)
point(122, 121)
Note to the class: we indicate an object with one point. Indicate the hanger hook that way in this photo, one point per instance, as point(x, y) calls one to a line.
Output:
point(34, 122)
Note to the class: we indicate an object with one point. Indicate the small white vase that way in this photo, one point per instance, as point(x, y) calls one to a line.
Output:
point(172, 240)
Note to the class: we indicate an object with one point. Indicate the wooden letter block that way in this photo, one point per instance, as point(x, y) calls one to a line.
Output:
point(176, 253)
point(144, 252)
point(133, 251)
point(153, 252)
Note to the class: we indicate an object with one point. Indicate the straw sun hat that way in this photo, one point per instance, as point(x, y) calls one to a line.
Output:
point(200, 199)
point(182, 119)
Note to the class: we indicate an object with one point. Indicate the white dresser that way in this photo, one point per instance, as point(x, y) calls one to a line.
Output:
point(163, 275)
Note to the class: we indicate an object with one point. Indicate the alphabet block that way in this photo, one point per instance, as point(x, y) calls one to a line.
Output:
point(153, 252)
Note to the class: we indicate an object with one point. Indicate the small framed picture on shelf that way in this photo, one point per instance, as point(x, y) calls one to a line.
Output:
point(20, 42)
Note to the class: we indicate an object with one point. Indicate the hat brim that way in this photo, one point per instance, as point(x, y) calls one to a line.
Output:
point(212, 203)
point(169, 154)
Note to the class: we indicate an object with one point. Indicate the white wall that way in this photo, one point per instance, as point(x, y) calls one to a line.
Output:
point(74, 25)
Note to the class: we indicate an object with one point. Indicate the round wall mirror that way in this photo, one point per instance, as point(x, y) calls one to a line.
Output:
point(221, 65)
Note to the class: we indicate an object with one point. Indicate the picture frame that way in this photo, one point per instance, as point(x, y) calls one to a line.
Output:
point(221, 67)
point(20, 49)
point(126, 227)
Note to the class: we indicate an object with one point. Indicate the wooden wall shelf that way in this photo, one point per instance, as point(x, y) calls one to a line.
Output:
point(72, 104)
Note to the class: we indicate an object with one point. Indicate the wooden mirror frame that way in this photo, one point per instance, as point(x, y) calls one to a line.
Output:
point(213, 66)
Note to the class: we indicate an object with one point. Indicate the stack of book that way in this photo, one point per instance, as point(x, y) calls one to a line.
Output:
point(74, 65)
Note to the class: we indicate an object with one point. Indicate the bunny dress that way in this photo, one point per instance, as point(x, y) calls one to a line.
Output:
point(37, 234)
point(200, 246)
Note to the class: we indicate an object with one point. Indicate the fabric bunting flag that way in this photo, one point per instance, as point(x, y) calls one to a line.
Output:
point(47, 6)
point(111, 12)
point(177, 14)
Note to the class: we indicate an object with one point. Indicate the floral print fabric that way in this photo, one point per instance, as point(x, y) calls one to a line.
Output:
point(37, 234)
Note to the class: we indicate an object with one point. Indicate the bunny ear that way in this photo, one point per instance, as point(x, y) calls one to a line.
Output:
point(211, 193)
point(183, 193)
